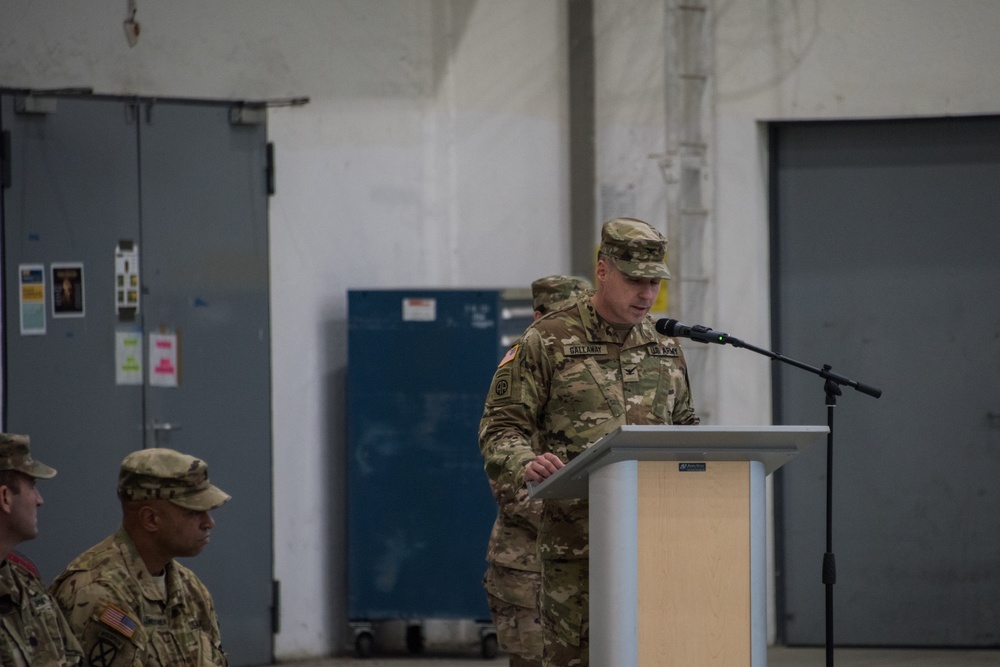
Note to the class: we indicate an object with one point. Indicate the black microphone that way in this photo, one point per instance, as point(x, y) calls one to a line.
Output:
point(697, 332)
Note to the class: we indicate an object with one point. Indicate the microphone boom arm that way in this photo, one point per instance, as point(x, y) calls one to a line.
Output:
point(824, 372)
point(703, 334)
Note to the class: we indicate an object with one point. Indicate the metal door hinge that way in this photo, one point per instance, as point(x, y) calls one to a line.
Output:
point(275, 606)
point(33, 104)
point(270, 168)
point(248, 115)
point(131, 112)
point(5, 159)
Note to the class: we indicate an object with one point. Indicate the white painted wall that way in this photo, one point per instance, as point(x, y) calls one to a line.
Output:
point(630, 75)
point(433, 153)
point(439, 161)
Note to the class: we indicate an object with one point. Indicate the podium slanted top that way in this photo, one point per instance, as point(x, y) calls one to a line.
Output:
point(771, 445)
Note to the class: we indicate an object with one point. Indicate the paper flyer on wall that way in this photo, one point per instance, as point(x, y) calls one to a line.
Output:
point(31, 278)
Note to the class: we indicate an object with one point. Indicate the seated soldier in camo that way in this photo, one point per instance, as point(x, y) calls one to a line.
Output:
point(33, 631)
point(127, 599)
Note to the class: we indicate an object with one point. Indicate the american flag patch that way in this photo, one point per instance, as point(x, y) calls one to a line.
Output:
point(511, 353)
point(119, 620)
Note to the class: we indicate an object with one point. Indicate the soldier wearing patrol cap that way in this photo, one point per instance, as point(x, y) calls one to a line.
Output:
point(33, 631)
point(127, 599)
point(513, 574)
point(553, 292)
point(574, 376)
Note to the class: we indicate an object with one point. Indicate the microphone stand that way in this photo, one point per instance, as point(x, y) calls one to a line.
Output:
point(831, 386)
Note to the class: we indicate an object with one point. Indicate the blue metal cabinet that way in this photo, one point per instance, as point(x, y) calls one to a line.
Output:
point(419, 504)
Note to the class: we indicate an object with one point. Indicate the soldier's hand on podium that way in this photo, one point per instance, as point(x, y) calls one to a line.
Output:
point(542, 466)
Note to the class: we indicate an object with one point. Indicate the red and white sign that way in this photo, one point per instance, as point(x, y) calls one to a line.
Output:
point(163, 360)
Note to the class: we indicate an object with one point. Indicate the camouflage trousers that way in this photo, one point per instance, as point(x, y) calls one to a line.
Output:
point(513, 600)
point(565, 602)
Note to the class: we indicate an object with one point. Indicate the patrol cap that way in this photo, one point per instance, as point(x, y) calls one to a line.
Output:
point(15, 454)
point(547, 293)
point(160, 473)
point(635, 248)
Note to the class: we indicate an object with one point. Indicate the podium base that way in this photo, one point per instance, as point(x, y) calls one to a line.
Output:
point(677, 564)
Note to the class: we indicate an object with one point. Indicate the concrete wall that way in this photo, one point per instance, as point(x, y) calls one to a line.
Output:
point(815, 59)
point(433, 153)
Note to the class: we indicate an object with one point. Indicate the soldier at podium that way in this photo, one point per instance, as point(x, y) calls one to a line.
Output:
point(513, 574)
point(573, 377)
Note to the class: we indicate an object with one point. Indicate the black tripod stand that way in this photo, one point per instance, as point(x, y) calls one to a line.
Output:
point(831, 386)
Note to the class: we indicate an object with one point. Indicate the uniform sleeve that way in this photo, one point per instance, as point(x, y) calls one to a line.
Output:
point(46, 636)
point(103, 620)
point(73, 648)
point(511, 413)
point(683, 412)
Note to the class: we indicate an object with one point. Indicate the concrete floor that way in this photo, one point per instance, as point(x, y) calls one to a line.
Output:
point(777, 657)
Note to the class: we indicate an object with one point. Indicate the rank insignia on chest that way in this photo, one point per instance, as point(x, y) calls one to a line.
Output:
point(630, 373)
point(664, 351)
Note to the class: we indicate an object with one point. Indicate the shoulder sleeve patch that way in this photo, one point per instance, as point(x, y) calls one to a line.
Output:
point(511, 353)
point(16, 558)
point(119, 620)
point(502, 387)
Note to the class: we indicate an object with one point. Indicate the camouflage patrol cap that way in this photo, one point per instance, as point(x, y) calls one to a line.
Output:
point(635, 248)
point(159, 473)
point(547, 293)
point(15, 454)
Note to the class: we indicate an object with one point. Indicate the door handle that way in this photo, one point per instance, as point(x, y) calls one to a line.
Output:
point(162, 431)
point(165, 426)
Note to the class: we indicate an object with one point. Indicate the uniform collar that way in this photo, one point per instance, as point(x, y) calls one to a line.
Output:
point(8, 586)
point(600, 330)
point(140, 573)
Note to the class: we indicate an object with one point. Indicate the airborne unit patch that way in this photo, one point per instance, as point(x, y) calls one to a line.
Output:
point(502, 387)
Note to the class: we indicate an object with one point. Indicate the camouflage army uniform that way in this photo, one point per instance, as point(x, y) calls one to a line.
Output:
point(513, 575)
point(121, 617)
point(33, 631)
point(571, 379)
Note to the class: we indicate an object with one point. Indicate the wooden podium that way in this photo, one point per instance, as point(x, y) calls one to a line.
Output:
point(677, 540)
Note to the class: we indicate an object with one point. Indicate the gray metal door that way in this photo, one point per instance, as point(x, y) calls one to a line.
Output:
point(887, 266)
point(204, 259)
point(195, 206)
point(73, 192)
